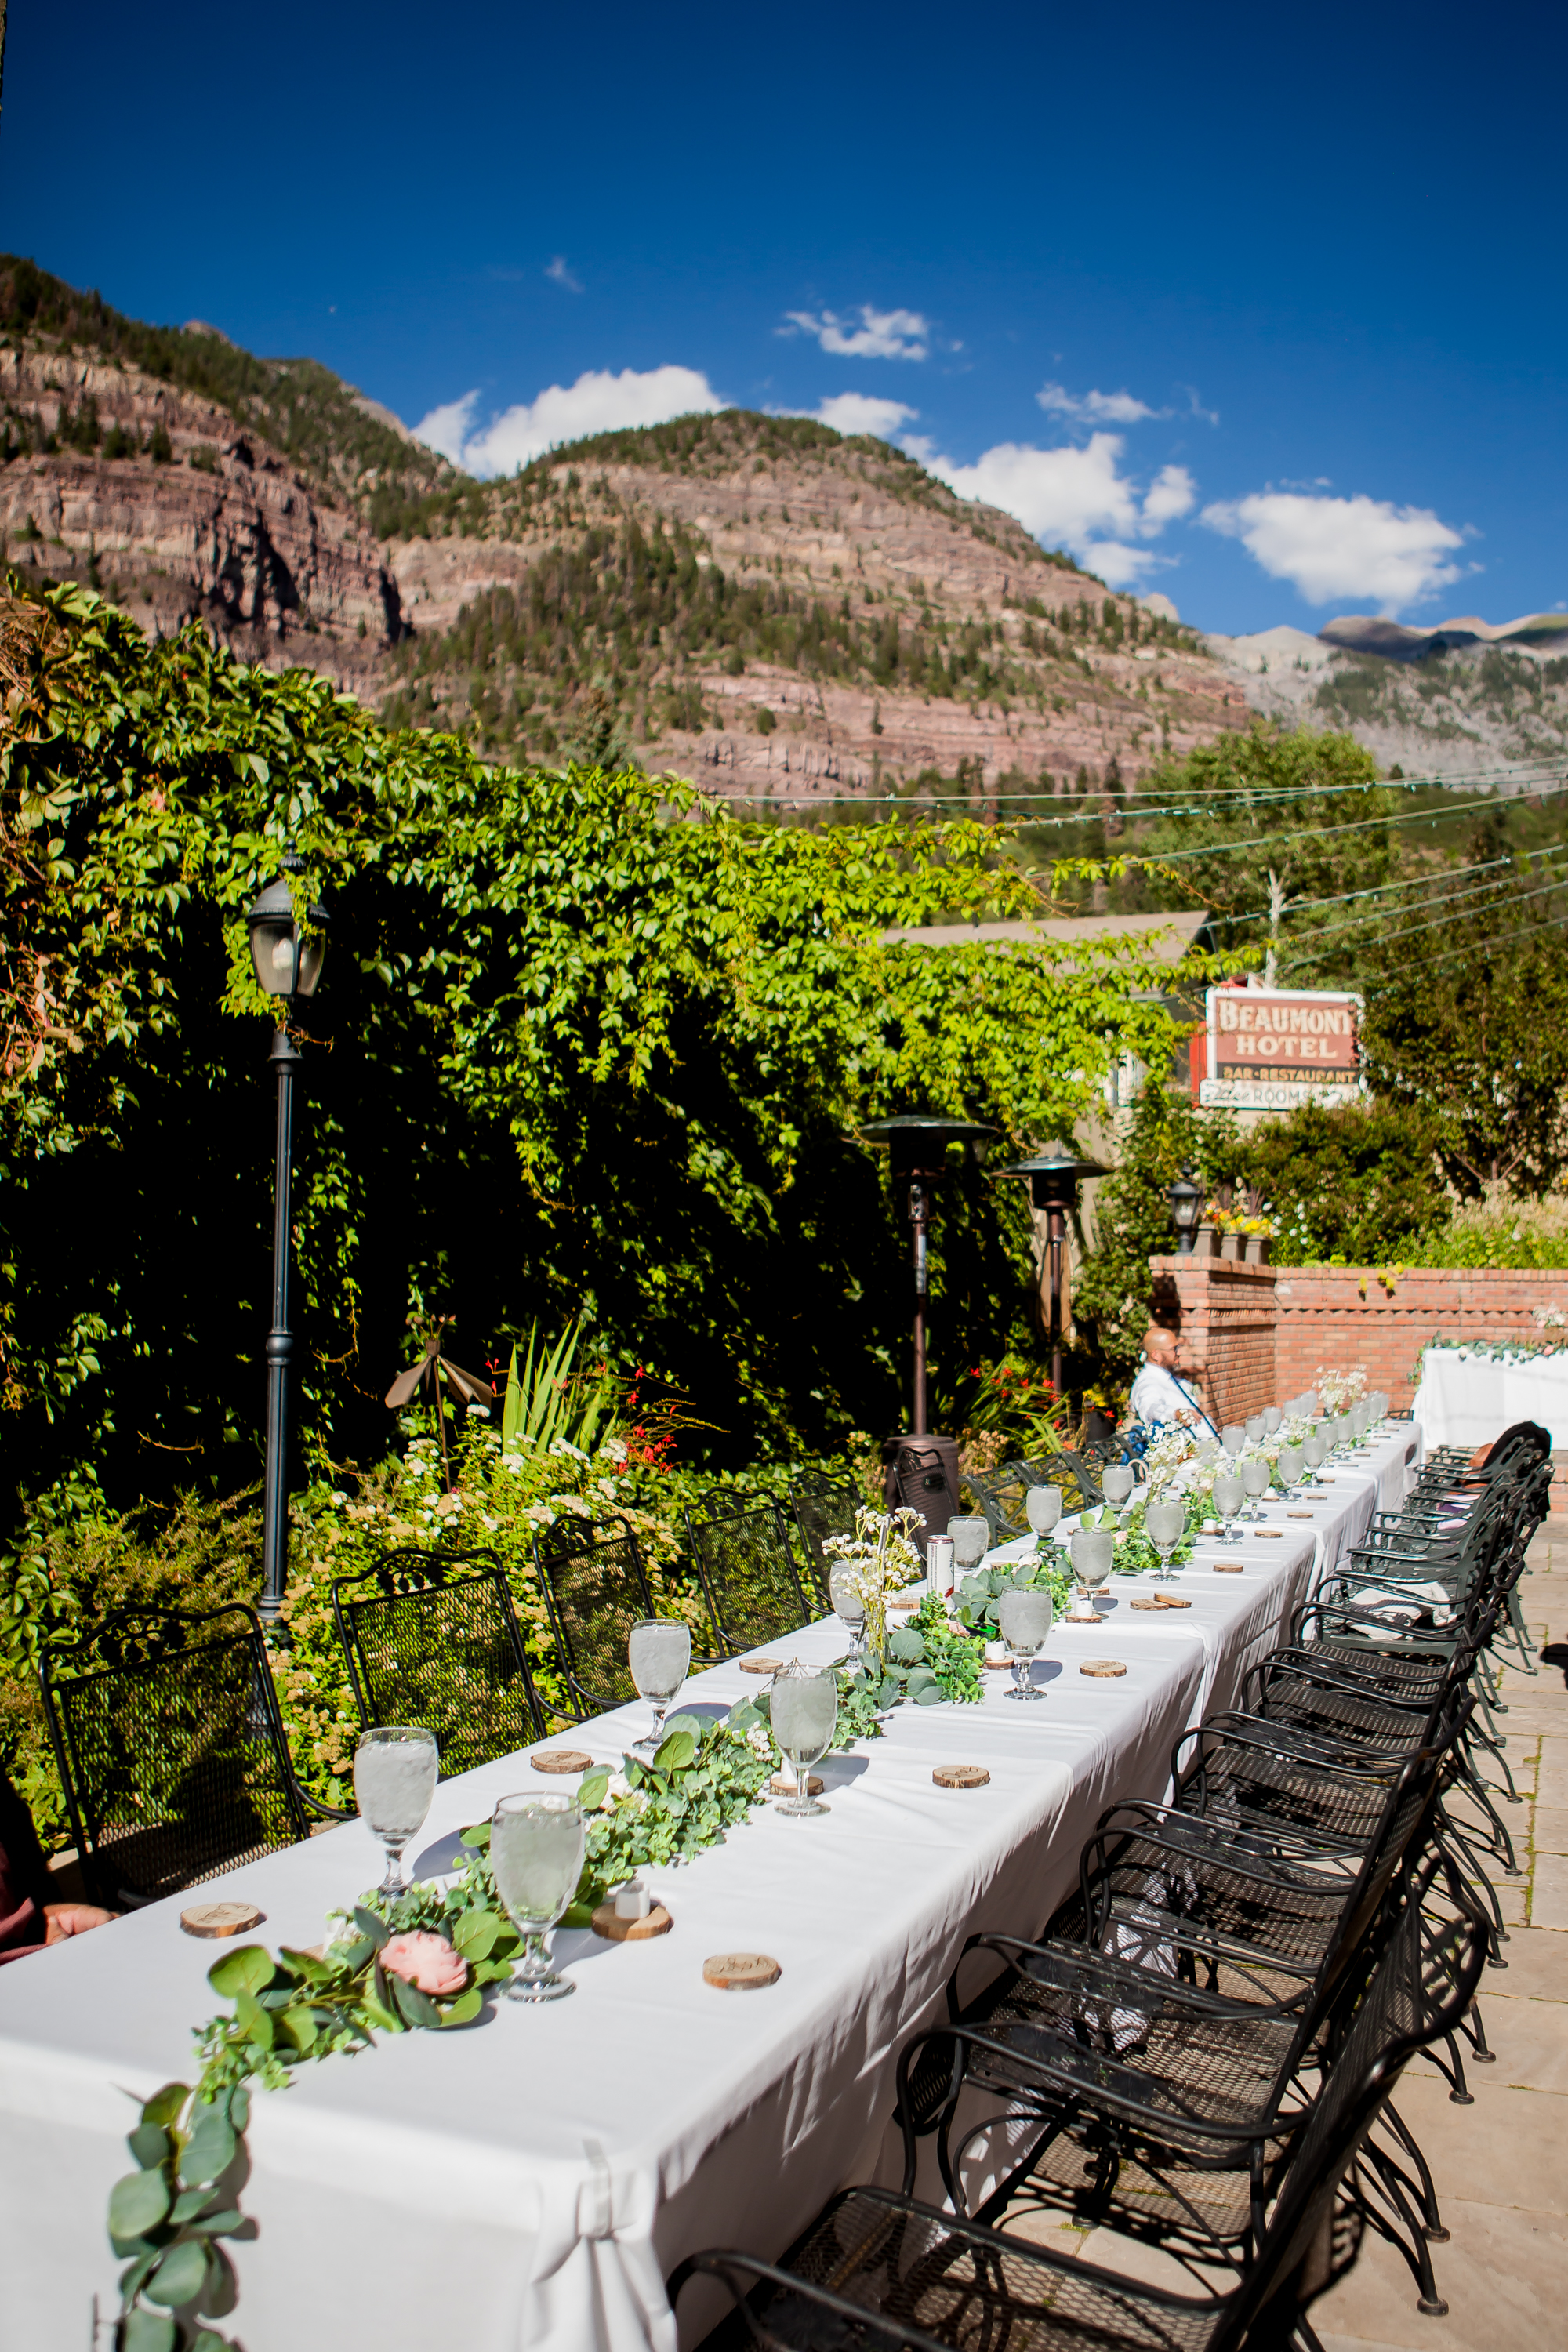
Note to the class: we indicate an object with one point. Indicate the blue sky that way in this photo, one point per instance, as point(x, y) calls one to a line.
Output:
point(1263, 313)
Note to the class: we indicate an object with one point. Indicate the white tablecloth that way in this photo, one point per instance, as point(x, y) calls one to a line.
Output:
point(532, 2181)
point(1469, 1399)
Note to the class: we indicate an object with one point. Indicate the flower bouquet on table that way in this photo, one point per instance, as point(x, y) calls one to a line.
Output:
point(878, 1561)
point(1340, 1389)
point(1167, 1455)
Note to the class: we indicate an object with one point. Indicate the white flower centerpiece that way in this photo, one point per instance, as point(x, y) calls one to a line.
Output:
point(878, 1560)
point(1340, 1389)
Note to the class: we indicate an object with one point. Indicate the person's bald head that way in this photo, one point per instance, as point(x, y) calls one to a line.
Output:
point(1160, 1346)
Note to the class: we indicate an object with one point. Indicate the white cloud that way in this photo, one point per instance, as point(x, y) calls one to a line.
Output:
point(1079, 499)
point(1174, 494)
point(598, 402)
point(558, 271)
point(881, 334)
point(1095, 407)
point(862, 412)
point(1329, 548)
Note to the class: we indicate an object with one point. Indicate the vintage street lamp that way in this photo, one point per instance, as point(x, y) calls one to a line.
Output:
point(1186, 1202)
point(918, 1148)
point(1054, 1176)
point(288, 964)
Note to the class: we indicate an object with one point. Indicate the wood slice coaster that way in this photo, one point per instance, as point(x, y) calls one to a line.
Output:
point(1103, 1669)
point(1229, 1567)
point(1148, 1604)
point(1170, 1600)
point(996, 1666)
point(615, 1930)
point(961, 1776)
point(1298, 1515)
point(783, 1784)
point(1269, 1535)
point(762, 1665)
point(561, 1759)
point(741, 1971)
point(220, 1918)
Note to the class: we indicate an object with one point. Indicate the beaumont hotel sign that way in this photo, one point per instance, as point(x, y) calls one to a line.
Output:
point(1271, 1047)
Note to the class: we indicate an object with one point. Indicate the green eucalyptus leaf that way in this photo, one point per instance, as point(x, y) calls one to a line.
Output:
point(352, 1957)
point(369, 1924)
point(675, 1751)
point(929, 1696)
point(149, 2144)
point(307, 1968)
point(592, 1788)
point(164, 2106)
point(180, 2276)
point(418, 2007)
point(239, 2106)
point(142, 2330)
point(744, 1715)
point(907, 1646)
point(465, 2008)
point(889, 1694)
point(475, 1933)
point(138, 2203)
point(245, 1970)
point(298, 2026)
point(131, 2279)
point(188, 2204)
point(221, 2225)
point(210, 2148)
point(478, 1834)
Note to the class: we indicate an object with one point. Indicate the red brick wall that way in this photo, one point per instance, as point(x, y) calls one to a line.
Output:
point(1253, 1334)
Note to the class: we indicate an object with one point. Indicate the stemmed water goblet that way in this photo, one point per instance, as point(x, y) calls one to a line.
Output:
point(1164, 1524)
point(1255, 1428)
point(1290, 1466)
point(396, 1769)
point(1272, 1419)
point(1024, 1620)
point(971, 1542)
point(659, 1654)
point(1093, 1550)
point(1313, 1452)
point(1233, 1437)
point(1228, 1491)
point(848, 1606)
point(536, 1857)
point(1116, 1484)
point(1043, 1508)
point(1255, 1480)
point(803, 1709)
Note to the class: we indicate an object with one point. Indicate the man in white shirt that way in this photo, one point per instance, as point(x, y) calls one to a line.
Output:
point(1158, 1394)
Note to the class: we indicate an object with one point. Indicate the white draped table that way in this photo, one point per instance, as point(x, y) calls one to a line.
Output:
point(1468, 1400)
point(532, 2181)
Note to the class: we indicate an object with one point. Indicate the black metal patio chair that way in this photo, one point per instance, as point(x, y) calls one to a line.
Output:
point(171, 1751)
point(750, 1579)
point(880, 2272)
point(821, 1510)
point(432, 1638)
point(596, 1592)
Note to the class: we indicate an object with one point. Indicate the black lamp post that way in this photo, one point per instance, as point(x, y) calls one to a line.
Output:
point(287, 965)
point(1054, 1176)
point(1186, 1202)
point(918, 1148)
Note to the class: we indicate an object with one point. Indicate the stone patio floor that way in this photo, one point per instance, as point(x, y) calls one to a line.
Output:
point(1500, 2166)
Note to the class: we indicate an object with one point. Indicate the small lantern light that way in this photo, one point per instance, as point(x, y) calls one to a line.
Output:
point(1186, 1200)
point(288, 964)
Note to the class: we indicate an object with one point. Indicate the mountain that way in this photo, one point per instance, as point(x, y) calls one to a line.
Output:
point(776, 609)
point(1462, 697)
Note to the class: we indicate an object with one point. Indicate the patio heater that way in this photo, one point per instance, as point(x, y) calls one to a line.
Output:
point(1187, 1203)
point(1055, 1175)
point(917, 1149)
point(288, 964)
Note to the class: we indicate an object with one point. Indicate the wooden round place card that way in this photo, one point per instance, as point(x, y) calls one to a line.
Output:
point(607, 1923)
point(961, 1776)
point(762, 1665)
point(1170, 1600)
point(1104, 1670)
point(220, 1918)
point(561, 1759)
point(1148, 1604)
point(1269, 1535)
point(783, 1784)
point(741, 1971)
point(1298, 1515)
point(1227, 1567)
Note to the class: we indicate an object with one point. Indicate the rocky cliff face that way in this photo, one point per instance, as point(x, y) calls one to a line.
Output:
point(180, 516)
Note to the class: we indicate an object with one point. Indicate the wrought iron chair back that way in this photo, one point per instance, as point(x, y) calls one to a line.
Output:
point(749, 1576)
point(432, 1638)
point(821, 1509)
point(1082, 1489)
point(596, 1592)
point(171, 1749)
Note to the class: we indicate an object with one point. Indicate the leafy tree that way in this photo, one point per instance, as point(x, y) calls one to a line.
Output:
point(596, 1048)
point(1357, 1181)
point(1469, 1026)
point(1287, 792)
point(1113, 1289)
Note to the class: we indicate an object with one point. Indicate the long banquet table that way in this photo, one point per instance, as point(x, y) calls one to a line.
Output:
point(532, 2181)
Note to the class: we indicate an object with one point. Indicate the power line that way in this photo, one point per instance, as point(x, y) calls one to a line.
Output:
point(1472, 948)
point(1391, 938)
point(1381, 889)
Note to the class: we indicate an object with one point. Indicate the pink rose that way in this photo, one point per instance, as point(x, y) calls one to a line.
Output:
point(427, 1962)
